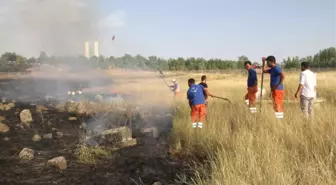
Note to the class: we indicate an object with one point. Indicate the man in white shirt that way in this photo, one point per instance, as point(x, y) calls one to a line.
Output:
point(306, 89)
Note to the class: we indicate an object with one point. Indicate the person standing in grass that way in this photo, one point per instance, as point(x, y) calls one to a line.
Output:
point(175, 88)
point(195, 95)
point(205, 86)
point(252, 86)
point(277, 87)
point(306, 89)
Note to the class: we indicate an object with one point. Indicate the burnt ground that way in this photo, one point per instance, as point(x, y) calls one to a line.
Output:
point(146, 163)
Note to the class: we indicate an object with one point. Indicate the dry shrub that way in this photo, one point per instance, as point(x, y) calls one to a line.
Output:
point(91, 155)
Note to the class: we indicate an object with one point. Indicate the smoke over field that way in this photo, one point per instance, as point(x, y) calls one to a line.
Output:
point(58, 27)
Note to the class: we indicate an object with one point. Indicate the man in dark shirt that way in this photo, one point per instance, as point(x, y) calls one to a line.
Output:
point(252, 86)
point(276, 83)
point(205, 86)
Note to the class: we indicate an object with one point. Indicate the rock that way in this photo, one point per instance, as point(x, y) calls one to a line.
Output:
point(118, 134)
point(75, 107)
point(60, 107)
point(82, 126)
point(151, 131)
point(116, 137)
point(81, 108)
point(58, 162)
point(2, 118)
point(41, 108)
point(59, 135)
point(6, 107)
point(47, 136)
point(157, 183)
point(71, 106)
point(26, 154)
point(131, 142)
point(6, 139)
point(99, 97)
point(36, 138)
point(25, 116)
point(3, 128)
point(72, 118)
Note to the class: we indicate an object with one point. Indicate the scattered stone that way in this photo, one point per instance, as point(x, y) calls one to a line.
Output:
point(54, 129)
point(118, 134)
point(36, 138)
point(41, 108)
point(48, 97)
point(151, 131)
point(59, 135)
point(157, 183)
point(99, 97)
point(6, 107)
point(2, 118)
point(26, 154)
point(72, 118)
point(71, 106)
point(81, 108)
point(58, 162)
point(3, 128)
point(26, 116)
point(82, 126)
point(47, 136)
point(60, 107)
point(121, 136)
point(131, 142)
point(75, 107)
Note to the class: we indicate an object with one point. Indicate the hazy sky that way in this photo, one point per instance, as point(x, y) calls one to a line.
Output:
point(174, 28)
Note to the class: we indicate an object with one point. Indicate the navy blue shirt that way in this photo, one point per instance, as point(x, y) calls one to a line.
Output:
point(275, 77)
point(195, 94)
point(252, 78)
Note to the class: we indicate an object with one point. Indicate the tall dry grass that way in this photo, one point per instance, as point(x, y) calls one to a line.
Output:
point(242, 148)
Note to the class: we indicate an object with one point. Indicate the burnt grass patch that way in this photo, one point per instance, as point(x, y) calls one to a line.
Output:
point(145, 163)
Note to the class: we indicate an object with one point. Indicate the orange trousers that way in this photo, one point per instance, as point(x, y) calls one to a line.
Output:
point(278, 96)
point(198, 111)
point(251, 95)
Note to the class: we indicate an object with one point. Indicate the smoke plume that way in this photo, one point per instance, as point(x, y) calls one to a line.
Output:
point(58, 27)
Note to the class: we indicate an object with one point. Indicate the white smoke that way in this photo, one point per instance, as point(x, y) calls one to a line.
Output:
point(59, 27)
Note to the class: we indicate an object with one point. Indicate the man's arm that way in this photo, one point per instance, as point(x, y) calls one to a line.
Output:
point(265, 69)
point(299, 89)
point(189, 98)
point(300, 86)
point(207, 93)
point(254, 76)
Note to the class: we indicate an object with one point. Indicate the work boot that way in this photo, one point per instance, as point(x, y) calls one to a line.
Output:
point(279, 115)
point(200, 125)
point(253, 109)
point(194, 125)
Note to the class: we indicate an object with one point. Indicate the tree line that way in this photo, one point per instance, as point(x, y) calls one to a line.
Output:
point(12, 62)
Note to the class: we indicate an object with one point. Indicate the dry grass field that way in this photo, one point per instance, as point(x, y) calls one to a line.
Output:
point(241, 148)
point(256, 149)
